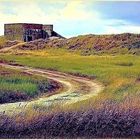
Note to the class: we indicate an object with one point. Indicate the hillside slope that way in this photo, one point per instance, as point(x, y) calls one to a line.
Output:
point(4, 43)
point(91, 44)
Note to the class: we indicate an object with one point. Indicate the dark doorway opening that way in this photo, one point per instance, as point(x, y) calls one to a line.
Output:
point(24, 38)
point(29, 38)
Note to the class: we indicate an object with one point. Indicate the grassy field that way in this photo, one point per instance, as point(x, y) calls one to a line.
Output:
point(114, 113)
point(120, 73)
point(18, 86)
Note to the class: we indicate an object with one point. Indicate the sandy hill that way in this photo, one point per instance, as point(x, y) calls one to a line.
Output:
point(91, 44)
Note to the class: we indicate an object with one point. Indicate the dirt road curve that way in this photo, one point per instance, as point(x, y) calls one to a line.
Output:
point(74, 89)
point(10, 48)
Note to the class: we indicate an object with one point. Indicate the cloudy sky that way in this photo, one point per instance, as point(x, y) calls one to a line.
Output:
point(74, 17)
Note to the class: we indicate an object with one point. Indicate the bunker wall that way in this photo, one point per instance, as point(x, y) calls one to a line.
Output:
point(13, 31)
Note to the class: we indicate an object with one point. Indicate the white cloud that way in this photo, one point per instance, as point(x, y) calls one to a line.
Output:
point(70, 19)
point(122, 29)
point(75, 10)
point(31, 12)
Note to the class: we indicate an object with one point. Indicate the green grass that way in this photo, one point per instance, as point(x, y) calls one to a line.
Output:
point(16, 85)
point(22, 86)
point(16, 81)
point(118, 73)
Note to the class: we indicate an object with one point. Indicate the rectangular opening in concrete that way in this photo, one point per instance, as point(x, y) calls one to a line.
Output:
point(29, 38)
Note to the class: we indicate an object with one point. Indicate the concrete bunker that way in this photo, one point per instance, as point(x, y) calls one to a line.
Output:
point(29, 31)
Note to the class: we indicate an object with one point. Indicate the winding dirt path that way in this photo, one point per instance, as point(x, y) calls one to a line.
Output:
point(74, 89)
point(10, 48)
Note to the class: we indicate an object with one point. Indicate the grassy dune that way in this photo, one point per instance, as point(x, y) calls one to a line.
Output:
point(126, 43)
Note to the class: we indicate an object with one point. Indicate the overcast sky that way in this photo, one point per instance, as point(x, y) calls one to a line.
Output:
point(74, 17)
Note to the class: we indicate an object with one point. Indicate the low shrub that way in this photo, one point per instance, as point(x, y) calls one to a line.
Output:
point(128, 64)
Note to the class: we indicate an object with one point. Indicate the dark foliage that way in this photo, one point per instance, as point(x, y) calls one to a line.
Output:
point(12, 96)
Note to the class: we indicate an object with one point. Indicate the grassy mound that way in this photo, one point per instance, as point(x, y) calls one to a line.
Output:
point(92, 44)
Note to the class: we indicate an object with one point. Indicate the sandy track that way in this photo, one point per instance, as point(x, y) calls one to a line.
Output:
point(10, 48)
point(74, 89)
